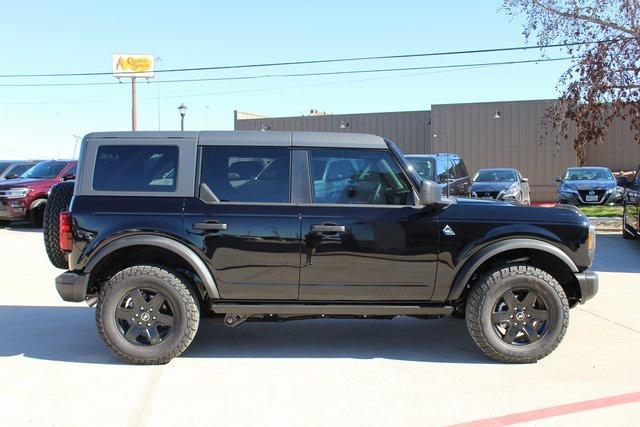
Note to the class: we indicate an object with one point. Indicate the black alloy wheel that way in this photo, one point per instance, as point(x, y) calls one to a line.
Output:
point(520, 316)
point(145, 317)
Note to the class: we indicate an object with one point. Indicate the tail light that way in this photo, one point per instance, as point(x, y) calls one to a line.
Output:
point(66, 237)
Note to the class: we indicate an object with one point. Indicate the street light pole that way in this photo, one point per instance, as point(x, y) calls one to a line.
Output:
point(183, 111)
point(134, 118)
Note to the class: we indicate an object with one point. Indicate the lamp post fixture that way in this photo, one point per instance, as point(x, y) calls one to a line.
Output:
point(183, 111)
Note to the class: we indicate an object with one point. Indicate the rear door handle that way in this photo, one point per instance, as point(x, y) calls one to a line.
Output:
point(328, 228)
point(210, 226)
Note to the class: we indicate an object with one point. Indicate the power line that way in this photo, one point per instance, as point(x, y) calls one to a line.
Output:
point(316, 74)
point(324, 61)
point(233, 92)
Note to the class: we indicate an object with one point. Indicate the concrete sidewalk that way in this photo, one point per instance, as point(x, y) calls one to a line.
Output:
point(55, 370)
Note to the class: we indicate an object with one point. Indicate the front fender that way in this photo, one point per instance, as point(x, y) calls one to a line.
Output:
point(471, 265)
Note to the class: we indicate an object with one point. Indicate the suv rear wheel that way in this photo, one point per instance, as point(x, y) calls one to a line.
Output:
point(147, 315)
point(517, 314)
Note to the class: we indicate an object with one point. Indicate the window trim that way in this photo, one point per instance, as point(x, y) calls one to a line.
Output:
point(185, 170)
point(409, 181)
point(198, 179)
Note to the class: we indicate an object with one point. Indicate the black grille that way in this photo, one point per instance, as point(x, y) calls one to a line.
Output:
point(585, 193)
point(485, 194)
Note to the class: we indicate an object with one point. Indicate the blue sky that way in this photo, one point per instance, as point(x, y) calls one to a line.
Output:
point(80, 36)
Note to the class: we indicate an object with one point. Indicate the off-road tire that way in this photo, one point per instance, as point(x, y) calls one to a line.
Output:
point(488, 290)
point(36, 216)
point(184, 299)
point(59, 201)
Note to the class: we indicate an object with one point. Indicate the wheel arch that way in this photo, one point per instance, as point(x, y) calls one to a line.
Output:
point(548, 256)
point(161, 244)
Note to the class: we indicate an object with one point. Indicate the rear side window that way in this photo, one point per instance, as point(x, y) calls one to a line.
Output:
point(144, 168)
point(247, 174)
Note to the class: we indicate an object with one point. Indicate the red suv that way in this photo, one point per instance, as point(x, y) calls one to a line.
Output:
point(26, 197)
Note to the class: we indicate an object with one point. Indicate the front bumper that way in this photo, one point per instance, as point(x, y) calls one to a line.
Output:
point(588, 281)
point(575, 199)
point(12, 209)
point(72, 287)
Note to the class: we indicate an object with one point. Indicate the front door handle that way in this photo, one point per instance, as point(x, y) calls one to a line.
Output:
point(328, 228)
point(210, 226)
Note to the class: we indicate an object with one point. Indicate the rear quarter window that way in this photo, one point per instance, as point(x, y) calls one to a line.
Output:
point(143, 168)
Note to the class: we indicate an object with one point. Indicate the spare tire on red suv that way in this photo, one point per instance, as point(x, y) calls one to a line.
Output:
point(59, 200)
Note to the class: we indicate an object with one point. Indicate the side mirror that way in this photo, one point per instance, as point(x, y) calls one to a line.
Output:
point(622, 181)
point(11, 176)
point(430, 193)
point(525, 180)
point(558, 179)
point(69, 177)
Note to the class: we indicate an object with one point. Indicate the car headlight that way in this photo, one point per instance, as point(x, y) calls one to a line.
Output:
point(617, 191)
point(565, 189)
point(511, 191)
point(16, 193)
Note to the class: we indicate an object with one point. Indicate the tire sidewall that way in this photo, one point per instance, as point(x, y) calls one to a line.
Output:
point(554, 305)
point(114, 295)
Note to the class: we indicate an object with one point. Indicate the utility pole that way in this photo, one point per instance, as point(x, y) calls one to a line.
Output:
point(158, 59)
point(134, 117)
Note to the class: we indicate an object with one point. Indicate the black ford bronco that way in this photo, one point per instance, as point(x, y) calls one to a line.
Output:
point(165, 227)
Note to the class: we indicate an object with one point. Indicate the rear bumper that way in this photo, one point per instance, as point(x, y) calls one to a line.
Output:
point(588, 281)
point(72, 286)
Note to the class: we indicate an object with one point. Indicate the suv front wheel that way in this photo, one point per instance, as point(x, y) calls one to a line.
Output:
point(147, 315)
point(517, 314)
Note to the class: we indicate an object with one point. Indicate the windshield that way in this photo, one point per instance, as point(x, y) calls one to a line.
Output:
point(584, 174)
point(426, 168)
point(44, 170)
point(4, 165)
point(495, 176)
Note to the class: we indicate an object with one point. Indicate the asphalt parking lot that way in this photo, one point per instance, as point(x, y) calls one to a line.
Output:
point(54, 369)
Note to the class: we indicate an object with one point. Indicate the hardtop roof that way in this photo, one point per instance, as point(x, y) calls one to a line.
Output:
point(257, 138)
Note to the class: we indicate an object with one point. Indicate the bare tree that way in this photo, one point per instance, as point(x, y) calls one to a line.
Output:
point(604, 82)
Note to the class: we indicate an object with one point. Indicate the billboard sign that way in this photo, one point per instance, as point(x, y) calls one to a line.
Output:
point(128, 65)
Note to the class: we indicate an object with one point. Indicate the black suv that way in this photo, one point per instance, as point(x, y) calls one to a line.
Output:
point(165, 227)
point(446, 169)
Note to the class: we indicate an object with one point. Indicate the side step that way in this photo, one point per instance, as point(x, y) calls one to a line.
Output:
point(333, 309)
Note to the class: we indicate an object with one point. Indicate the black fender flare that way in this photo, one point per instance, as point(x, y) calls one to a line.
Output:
point(493, 249)
point(178, 248)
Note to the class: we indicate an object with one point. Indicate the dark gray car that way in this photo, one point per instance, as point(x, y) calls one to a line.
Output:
point(589, 186)
point(12, 169)
point(501, 184)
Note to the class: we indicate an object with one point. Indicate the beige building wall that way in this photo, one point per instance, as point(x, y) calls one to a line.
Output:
point(619, 151)
point(411, 130)
point(503, 134)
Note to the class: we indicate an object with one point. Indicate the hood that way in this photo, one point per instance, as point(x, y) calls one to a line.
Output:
point(23, 182)
point(500, 211)
point(490, 186)
point(589, 184)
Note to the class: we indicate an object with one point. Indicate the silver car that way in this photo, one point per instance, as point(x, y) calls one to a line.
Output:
point(501, 184)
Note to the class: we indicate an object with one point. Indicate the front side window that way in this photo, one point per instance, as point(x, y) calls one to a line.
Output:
point(247, 174)
point(358, 177)
point(144, 168)
point(49, 169)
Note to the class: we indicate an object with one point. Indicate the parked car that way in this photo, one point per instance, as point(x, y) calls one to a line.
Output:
point(501, 184)
point(12, 169)
point(446, 169)
point(154, 249)
point(631, 212)
point(589, 186)
point(26, 197)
